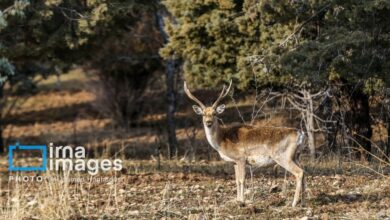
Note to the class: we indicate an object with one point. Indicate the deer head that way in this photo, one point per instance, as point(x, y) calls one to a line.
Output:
point(208, 113)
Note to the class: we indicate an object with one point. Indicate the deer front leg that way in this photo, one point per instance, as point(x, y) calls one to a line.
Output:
point(239, 169)
point(237, 182)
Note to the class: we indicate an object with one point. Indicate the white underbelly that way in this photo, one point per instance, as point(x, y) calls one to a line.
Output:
point(261, 161)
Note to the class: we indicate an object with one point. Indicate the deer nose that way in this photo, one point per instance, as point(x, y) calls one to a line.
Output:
point(209, 123)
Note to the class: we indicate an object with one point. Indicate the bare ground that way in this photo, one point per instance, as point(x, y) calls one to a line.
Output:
point(197, 191)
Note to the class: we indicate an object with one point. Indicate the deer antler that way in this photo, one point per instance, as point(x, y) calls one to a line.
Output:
point(189, 94)
point(223, 94)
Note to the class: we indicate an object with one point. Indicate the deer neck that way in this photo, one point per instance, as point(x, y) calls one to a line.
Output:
point(213, 135)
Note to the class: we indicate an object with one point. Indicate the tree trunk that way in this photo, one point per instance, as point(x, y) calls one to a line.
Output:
point(2, 147)
point(388, 137)
point(310, 135)
point(309, 119)
point(171, 95)
point(360, 124)
point(2, 144)
point(331, 113)
point(171, 98)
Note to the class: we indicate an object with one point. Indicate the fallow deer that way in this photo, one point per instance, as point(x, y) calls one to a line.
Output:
point(242, 144)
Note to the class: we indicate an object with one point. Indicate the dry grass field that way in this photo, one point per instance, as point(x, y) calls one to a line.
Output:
point(149, 187)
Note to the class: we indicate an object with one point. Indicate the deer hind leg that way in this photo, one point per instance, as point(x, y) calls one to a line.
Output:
point(239, 169)
point(293, 168)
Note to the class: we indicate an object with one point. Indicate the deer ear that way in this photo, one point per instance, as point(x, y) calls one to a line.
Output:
point(220, 109)
point(198, 110)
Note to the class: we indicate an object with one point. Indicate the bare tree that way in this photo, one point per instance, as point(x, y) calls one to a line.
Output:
point(304, 102)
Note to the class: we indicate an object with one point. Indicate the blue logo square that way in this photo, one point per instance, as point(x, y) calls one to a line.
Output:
point(11, 148)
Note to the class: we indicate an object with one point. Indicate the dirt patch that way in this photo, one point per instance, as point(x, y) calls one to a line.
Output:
point(191, 195)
